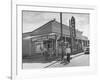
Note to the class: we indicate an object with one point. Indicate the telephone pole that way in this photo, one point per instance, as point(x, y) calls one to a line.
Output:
point(61, 36)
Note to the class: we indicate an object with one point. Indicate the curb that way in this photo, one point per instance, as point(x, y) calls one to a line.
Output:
point(73, 56)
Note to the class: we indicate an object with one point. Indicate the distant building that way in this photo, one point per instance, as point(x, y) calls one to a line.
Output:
point(48, 36)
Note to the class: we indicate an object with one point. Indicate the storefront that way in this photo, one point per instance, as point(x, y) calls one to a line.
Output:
point(40, 42)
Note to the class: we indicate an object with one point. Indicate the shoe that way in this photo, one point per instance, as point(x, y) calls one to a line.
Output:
point(65, 63)
point(61, 62)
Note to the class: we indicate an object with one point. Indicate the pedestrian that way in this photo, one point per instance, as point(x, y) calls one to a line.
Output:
point(41, 48)
point(65, 58)
point(68, 53)
point(65, 55)
point(45, 53)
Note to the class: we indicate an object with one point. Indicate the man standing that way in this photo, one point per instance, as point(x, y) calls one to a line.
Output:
point(46, 55)
point(41, 48)
point(68, 53)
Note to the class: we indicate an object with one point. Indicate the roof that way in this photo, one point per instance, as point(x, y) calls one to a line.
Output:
point(52, 26)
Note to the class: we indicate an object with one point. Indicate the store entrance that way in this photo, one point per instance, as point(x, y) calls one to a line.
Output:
point(50, 46)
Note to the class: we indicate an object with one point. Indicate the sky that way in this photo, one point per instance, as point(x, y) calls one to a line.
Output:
point(33, 20)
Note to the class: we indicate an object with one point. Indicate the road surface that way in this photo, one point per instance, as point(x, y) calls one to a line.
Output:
point(82, 60)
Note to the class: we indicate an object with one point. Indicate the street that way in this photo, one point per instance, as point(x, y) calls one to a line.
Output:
point(81, 60)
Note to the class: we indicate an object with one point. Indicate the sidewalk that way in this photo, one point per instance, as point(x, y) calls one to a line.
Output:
point(36, 65)
point(76, 55)
point(37, 61)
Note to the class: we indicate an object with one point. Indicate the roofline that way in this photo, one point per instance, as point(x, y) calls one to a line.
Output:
point(44, 25)
point(47, 23)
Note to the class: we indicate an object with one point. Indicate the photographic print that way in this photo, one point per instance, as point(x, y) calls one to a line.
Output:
point(52, 40)
point(55, 39)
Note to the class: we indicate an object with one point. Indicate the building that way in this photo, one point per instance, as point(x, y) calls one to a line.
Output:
point(48, 36)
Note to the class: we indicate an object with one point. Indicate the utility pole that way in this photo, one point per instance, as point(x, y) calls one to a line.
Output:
point(61, 24)
point(61, 36)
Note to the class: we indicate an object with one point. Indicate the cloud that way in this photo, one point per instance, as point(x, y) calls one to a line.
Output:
point(30, 17)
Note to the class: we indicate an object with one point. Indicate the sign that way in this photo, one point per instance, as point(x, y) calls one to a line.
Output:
point(72, 28)
point(72, 33)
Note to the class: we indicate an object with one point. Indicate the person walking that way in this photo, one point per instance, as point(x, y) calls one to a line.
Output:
point(45, 53)
point(65, 55)
point(68, 53)
point(42, 52)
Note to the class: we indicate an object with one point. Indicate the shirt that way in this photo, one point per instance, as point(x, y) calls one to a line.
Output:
point(68, 50)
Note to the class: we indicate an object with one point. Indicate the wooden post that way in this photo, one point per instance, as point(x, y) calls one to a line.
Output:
point(61, 36)
point(61, 23)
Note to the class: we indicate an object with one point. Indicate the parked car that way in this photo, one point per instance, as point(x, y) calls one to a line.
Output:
point(87, 50)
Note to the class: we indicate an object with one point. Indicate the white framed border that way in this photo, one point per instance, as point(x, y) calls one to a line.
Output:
point(16, 62)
